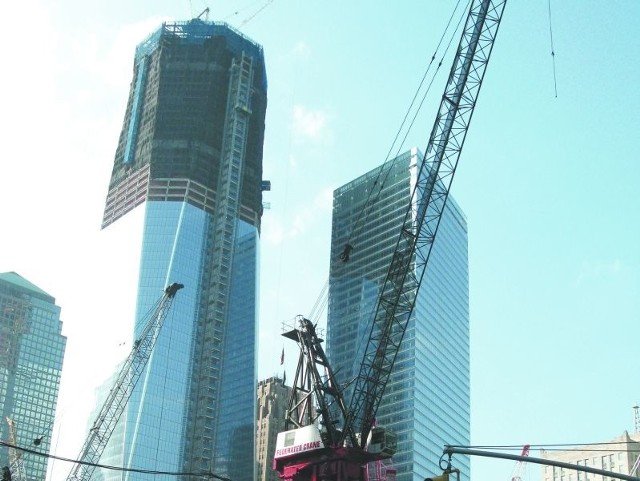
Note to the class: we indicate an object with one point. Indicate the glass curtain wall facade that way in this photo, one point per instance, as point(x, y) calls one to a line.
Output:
point(190, 156)
point(31, 354)
point(426, 401)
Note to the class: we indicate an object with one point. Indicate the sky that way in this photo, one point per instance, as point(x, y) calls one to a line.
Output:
point(548, 179)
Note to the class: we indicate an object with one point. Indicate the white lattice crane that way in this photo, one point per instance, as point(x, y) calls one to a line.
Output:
point(127, 378)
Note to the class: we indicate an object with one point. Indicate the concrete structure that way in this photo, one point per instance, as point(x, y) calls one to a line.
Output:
point(619, 455)
point(273, 398)
point(31, 354)
point(187, 182)
point(426, 401)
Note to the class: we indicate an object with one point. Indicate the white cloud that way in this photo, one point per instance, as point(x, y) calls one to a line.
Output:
point(302, 50)
point(273, 230)
point(310, 215)
point(118, 67)
point(309, 124)
point(324, 200)
point(277, 230)
point(596, 270)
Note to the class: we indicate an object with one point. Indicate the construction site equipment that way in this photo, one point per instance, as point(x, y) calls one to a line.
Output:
point(451, 450)
point(518, 469)
point(16, 460)
point(120, 393)
point(236, 132)
point(332, 440)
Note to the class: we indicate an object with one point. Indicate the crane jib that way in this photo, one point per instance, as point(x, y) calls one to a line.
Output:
point(126, 380)
point(436, 172)
point(395, 304)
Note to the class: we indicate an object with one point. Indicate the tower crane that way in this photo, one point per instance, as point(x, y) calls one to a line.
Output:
point(331, 439)
point(120, 393)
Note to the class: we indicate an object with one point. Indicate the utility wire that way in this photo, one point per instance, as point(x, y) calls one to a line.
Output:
point(113, 468)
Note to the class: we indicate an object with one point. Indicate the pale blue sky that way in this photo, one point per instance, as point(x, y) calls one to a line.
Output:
point(549, 184)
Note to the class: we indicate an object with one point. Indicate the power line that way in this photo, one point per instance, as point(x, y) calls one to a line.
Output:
point(558, 447)
point(113, 468)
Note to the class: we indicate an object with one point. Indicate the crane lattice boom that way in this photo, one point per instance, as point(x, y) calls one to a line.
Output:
point(345, 446)
point(398, 295)
point(120, 393)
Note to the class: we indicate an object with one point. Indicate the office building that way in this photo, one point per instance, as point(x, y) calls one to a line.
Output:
point(426, 401)
point(619, 455)
point(187, 181)
point(31, 355)
point(273, 399)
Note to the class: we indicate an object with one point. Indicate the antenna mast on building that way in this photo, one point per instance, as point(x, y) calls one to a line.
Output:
point(636, 413)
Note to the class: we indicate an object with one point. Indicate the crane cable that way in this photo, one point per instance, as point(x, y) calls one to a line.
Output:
point(371, 314)
point(553, 53)
point(321, 303)
point(383, 173)
point(252, 16)
point(114, 468)
point(367, 208)
point(248, 19)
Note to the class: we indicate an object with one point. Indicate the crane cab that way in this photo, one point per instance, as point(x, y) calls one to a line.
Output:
point(382, 442)
point(296, 441)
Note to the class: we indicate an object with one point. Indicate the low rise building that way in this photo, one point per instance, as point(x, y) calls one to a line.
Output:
point(620, 455)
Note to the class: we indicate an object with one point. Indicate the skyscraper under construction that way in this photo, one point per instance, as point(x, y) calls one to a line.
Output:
point(188, 175)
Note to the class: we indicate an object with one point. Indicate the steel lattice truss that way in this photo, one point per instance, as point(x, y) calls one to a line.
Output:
point(316, 391)
point(398, 295)
point(119, 395)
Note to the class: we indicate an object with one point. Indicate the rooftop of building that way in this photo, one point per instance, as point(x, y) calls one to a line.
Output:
point(603, 446)
point(196, 31)
point(20, 283)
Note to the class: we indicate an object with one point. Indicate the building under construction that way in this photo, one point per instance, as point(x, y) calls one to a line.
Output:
point(187, 181)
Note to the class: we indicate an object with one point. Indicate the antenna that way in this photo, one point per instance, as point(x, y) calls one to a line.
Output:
point(636, 412)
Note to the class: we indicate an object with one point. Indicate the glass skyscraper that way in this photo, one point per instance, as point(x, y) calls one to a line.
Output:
point(31, 354)
point(188, 175)
point(426, 401)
